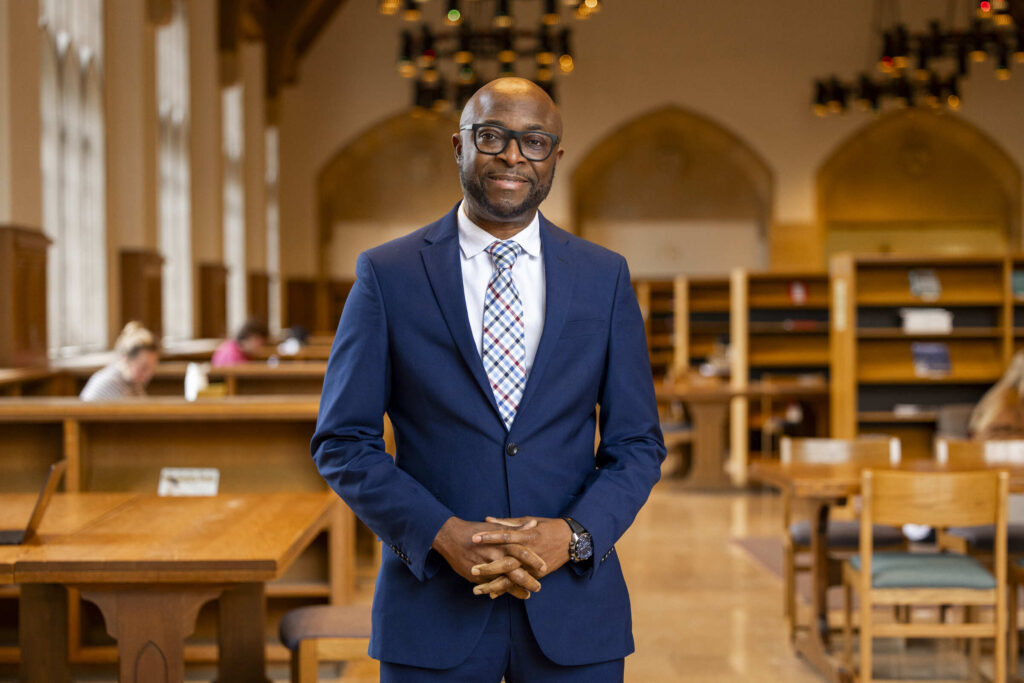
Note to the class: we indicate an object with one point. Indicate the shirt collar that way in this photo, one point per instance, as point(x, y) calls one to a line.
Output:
point(473, 239)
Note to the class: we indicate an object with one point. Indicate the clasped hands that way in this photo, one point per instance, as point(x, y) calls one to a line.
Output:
point(504, 555)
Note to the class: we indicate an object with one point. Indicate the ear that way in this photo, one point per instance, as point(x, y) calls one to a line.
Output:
point(457, 144)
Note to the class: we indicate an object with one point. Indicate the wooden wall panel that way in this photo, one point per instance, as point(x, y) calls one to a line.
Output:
point(213, 300)
point(22, 296)
point(258, 292)
point(300, 303)
point(142, 288)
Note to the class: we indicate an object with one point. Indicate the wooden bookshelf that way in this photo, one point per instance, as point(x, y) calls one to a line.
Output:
point(779, 332)
point(877, 387)
point(702, 319)
point(657, 304)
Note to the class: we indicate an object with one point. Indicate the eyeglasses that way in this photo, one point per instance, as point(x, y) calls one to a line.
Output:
point(535, 145)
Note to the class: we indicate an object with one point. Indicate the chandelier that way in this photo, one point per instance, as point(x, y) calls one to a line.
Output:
point(476, 41)
point(927, 68)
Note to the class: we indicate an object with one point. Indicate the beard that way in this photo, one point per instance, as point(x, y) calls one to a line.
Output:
point(505, 209)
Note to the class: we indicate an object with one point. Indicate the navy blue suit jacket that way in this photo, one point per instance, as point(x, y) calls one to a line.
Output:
point(404, 347)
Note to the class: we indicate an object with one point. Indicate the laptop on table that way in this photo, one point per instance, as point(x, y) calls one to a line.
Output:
point(19, 536)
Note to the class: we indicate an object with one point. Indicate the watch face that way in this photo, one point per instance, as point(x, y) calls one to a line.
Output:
point(584, 547)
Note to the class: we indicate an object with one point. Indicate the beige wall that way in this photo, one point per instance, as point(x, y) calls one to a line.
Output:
point(131, 140)
point(20, 174)
point(253, 79)
point(205, 123)
point(747, 66)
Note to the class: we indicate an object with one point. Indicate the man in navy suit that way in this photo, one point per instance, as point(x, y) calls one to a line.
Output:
point(491, 338)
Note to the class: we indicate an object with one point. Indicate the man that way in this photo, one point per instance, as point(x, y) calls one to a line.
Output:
point(489, 337)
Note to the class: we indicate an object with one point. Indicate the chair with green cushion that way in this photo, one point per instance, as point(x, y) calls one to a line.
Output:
point(962, 454)
point(842, 535)
point(324, 633)
point(937, 499)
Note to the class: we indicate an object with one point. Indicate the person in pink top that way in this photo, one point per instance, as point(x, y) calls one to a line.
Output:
point(250, 338)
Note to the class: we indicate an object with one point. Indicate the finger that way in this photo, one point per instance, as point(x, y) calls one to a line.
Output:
point(527, 557)
point(516, 536)
point(525, 579)
point(519, 592)
point(499, 585)
point(522, 522)
point(502, 566)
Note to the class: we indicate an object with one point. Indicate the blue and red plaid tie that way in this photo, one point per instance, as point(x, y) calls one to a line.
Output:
point(503, 347)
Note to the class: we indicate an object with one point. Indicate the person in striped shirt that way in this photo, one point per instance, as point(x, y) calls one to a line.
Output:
point(137, 356)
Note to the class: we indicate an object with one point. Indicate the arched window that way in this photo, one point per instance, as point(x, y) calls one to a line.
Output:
point(174, 178)
point(234, 205)
point(273, 230)
point(73, 168)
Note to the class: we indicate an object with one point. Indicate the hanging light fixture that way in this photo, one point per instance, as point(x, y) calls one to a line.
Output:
point(927, 68)
point(478, 40)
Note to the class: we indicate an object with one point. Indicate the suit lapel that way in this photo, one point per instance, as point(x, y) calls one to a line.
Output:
point(559, 277)
point(444, 270)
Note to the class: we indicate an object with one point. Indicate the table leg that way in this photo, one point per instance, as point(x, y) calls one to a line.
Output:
point(243, 611)
point(812, 644)
point(150, 623)
point(707, 469)
point(43, 633)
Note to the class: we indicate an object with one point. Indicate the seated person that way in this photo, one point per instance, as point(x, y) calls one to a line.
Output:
point(249, 340)
point(137, 356)
point(1000, 412)
point(295, 338)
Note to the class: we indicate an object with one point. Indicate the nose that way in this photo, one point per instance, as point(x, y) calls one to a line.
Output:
point(512, 154)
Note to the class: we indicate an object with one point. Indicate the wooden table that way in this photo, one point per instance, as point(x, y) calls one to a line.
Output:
point(821, 486)
point(708, 406)
point(149, 564)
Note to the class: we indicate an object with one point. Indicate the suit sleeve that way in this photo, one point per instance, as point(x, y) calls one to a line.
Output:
point(632, 449)
point(348, 445)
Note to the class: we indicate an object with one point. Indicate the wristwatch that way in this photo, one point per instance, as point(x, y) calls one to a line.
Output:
point(581, 547)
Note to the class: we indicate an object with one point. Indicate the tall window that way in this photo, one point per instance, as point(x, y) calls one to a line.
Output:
point(234, 205)
point(175, 202)
point(72, 159)
point(273, 231)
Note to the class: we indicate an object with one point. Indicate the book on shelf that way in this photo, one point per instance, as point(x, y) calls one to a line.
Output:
point(797, 292)
point(926, 320)
point(931, 359)
point(924, 284)
point(1017, 283)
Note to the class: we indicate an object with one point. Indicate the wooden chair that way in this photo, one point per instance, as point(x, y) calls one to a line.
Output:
point(333, 633)
point(843, 535)
point(964, 454)
point(938, 499)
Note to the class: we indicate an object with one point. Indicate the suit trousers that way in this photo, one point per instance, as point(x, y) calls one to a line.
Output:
point(507, 649)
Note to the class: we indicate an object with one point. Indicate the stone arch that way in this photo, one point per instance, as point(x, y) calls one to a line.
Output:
point(384, 183)
point(669, 189)
point(919, 181)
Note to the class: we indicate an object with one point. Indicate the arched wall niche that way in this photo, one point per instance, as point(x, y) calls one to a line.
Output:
point(919, 182)
point(675, 192)
point(391, 179)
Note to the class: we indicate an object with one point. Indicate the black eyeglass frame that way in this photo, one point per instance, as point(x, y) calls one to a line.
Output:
point(516, 135)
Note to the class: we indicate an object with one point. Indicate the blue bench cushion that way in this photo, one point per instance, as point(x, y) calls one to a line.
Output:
point(926, 570)
point(845, 534)
point(983, 537)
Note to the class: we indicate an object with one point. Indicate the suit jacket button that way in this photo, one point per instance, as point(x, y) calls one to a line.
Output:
point(511, 449)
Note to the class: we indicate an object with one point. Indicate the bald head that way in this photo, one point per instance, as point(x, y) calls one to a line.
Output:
point(511, 91)
point(503, 181)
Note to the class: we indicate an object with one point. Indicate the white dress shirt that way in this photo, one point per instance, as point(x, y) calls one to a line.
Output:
point(527, 273)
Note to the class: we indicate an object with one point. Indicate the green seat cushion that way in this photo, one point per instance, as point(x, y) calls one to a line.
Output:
point(926, 570)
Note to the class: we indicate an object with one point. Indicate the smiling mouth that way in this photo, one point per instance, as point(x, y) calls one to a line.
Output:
point(508, 182)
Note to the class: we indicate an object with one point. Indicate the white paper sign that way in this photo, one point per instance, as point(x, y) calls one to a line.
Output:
point(188, 481)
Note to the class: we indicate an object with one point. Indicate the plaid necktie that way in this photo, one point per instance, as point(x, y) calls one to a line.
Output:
point(503, 347)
